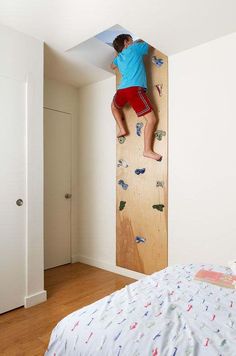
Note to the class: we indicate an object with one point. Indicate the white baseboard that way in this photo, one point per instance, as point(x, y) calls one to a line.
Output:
point(34, 299)
point(101, 264)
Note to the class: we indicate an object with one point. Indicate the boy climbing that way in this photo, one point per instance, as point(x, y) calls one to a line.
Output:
point(132, 89)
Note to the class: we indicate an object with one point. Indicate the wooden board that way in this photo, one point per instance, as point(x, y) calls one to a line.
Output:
point(138, 217)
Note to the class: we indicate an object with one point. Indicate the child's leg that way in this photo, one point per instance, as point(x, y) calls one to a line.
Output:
point(140, 102)
point(118, 115)
point(149, 136)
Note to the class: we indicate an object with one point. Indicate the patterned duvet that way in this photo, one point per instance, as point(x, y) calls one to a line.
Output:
point(165, 314)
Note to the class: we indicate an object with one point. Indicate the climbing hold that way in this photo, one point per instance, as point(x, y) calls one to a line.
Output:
point(121, 139)
point(159, 88)
point(160, 183)
point(139, 126)
point(159, 134)
point(158, 207)
point(140, 239)
point(122, 205)
point(122, 163)
point(157, 61)
point(123, 184)
point(139, 171)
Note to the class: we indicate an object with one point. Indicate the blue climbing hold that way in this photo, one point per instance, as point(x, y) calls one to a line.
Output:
point(140, 171)
point(157, 61)
point(140, 239)
point(139, 126)
point(123, 184)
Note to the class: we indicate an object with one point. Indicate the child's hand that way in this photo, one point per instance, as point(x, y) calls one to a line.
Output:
point(113, 66)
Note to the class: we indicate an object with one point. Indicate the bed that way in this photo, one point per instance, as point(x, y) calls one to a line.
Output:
point(165, 314)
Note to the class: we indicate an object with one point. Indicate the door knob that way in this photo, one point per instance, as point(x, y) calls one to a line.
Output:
point(68, 196)
point(19, 202)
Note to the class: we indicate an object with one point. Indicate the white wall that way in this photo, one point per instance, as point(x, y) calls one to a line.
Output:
point(96, 244)
point(93, 170)
point(202, 163)
point(63, 97)
point(202, 148)
point(22, 59)
point(202, 170)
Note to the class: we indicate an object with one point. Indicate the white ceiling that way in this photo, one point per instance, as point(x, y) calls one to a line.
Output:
point(169, 25)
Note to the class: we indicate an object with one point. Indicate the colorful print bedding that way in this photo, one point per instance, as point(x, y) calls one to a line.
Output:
point(165, 314)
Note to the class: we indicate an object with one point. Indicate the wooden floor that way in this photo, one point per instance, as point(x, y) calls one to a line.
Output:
point(69, 287)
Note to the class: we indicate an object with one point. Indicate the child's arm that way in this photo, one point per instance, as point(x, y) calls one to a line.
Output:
point(113, 66)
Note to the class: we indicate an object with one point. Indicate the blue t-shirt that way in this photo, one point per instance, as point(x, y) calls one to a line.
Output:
point(131, 66)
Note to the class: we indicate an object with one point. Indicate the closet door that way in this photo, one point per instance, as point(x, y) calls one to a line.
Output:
point(12, 193)
point(57, 188)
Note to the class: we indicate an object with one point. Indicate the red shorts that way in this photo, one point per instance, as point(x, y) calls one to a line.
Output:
point(136, 97)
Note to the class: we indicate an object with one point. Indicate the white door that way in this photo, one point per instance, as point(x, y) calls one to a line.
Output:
point(12, 192)
point(57, 188)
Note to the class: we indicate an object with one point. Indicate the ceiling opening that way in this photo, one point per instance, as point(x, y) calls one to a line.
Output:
point(98, 50)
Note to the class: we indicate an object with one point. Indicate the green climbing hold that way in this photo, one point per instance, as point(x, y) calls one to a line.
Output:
point(160, 183)
point(122, 163)
point(121, 139)
point(122, 205)
point(158, 207)
point(159, 134)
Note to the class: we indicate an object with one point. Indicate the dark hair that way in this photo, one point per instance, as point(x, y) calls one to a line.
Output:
point(119, 41)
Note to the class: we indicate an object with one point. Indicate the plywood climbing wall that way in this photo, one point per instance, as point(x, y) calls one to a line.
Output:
point(141, 224)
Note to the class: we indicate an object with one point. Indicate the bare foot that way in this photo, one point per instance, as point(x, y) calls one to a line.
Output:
point(121, 133)
point(153, 155)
